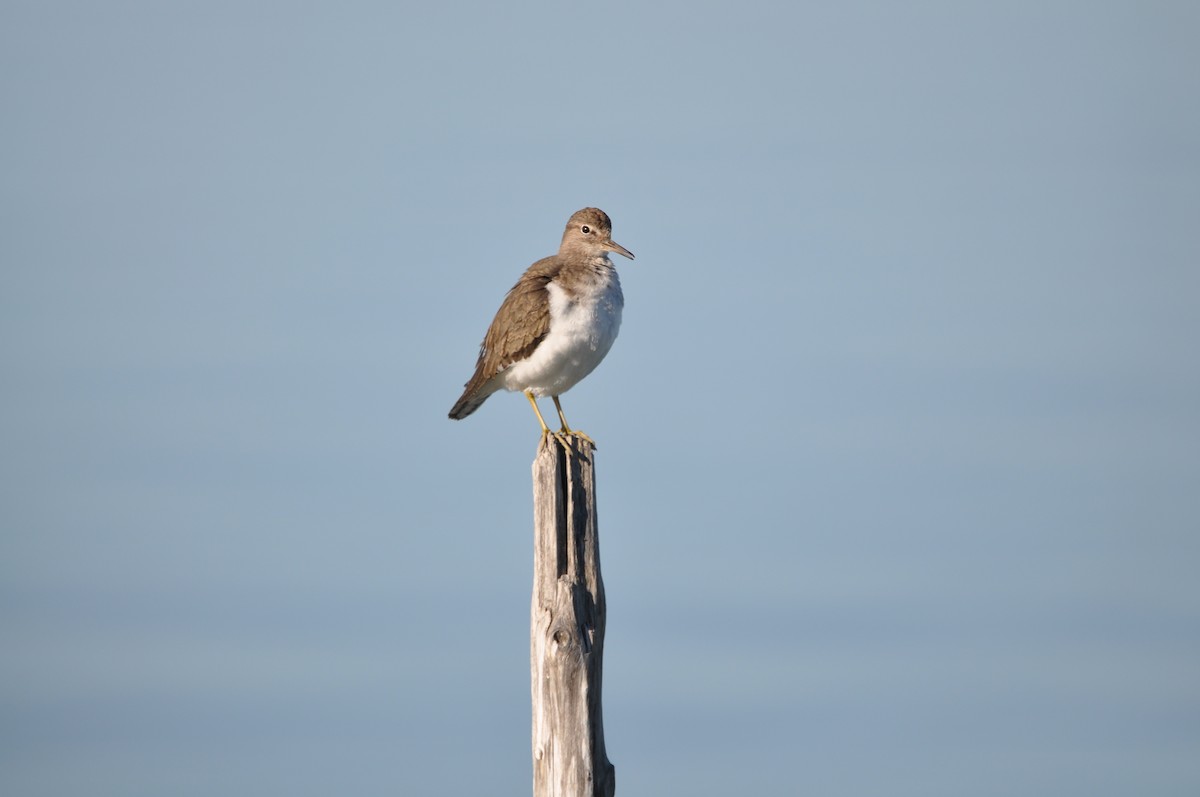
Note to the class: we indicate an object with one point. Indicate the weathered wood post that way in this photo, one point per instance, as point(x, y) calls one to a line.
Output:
point(567, 627)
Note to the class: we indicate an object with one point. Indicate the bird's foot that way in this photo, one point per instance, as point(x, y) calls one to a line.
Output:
point(563, 438)
point(576, 433)
point(558, 437)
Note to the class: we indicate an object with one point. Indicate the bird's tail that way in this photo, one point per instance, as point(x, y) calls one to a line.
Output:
point(470, 401)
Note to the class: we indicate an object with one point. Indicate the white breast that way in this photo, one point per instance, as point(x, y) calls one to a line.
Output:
point(582, 330)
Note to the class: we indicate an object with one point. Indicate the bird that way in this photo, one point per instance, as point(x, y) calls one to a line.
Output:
point(555, 325)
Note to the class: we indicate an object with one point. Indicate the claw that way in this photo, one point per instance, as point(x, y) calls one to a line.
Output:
point(581, 435)
point(558, 437)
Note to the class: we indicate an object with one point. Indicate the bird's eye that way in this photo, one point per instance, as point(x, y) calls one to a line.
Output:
point(586, 229)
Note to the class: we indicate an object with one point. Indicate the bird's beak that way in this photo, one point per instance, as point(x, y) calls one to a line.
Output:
point(613, 246)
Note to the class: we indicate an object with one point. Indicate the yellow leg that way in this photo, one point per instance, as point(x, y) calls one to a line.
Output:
point(566, 430)
point(559, 436)
point(537, 412)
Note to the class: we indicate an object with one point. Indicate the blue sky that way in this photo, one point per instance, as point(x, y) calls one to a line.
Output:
point(898, 447)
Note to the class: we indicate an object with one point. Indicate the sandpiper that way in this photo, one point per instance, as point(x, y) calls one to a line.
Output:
point(555, 325)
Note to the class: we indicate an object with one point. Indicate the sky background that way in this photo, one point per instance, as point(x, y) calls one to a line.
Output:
point(899, 448)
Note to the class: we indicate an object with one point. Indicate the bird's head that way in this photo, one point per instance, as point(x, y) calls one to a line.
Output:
point(590, 231)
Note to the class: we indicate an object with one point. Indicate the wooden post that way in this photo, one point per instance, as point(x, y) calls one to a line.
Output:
point(567, 627)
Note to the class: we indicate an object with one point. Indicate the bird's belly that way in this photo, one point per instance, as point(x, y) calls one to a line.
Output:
point(581, 333)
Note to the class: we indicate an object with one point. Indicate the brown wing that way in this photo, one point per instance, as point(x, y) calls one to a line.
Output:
point(521, 323)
